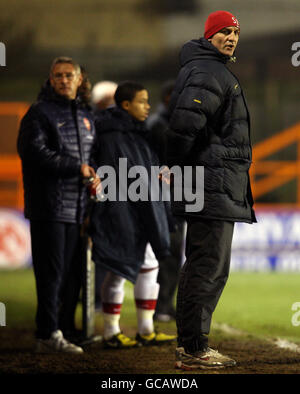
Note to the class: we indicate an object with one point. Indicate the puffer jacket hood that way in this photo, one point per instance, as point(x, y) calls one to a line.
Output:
point(201, 49)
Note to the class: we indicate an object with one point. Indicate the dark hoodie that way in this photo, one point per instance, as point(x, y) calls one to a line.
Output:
point(210, 127)
point(120, 230)
point(55, 138)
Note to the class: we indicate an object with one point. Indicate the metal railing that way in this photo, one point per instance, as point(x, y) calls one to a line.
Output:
point(268, 175)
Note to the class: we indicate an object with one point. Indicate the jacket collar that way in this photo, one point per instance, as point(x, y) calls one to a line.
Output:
point(201, 49)
point(117, 119)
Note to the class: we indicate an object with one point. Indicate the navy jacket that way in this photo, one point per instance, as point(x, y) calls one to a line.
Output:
point(55, 138)
point(120, 230)
point(210, 126)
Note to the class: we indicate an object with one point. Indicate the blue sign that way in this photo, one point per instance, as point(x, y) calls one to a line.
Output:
point(273, 243)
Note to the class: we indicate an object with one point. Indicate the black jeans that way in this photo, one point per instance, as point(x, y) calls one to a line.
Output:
point(202, 280)
point(56, 249)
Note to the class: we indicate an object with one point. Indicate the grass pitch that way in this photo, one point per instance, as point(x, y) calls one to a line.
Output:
point(258, 303)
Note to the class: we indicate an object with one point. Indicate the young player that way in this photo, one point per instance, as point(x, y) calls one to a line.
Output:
point(128, 236)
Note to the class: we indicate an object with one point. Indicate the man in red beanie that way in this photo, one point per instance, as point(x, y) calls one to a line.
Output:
point(222, 29)
point(209, 127)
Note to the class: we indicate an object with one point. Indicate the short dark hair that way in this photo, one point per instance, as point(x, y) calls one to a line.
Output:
point(126, 91)
point(65, 59)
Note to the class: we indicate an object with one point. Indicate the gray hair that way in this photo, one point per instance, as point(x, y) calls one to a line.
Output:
point(65, 59)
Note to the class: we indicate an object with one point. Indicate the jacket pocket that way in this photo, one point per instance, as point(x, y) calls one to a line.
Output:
point(236, 178)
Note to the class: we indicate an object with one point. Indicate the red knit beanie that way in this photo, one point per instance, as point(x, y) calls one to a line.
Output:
point(216, 21)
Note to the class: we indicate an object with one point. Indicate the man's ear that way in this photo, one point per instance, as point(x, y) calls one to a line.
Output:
point(125, 104)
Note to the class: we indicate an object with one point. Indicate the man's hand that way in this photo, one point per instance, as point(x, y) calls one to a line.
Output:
point(165, 175)
point(96, 183)
point(87, 171)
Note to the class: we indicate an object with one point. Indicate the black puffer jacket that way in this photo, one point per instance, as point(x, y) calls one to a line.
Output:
point(55, 138)
point(119, 229)
point(210, 127)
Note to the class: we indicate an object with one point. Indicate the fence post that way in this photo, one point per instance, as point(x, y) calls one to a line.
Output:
point(2, 314)
point(2, 55)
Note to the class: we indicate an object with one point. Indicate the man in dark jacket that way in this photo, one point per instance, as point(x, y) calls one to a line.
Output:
point(209, 127)
point(168, 275)
point(125, 229)
point(54, 143)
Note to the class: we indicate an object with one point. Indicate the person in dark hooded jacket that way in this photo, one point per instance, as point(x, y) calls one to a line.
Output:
point(129, 233)
point(55, 141)
point(209, 127)
point(168, 275)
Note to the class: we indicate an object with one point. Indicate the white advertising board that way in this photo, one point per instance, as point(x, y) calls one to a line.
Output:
point(15, 248)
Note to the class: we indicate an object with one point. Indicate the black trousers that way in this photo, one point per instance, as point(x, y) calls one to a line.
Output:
point(202, 280)
point(56, 252)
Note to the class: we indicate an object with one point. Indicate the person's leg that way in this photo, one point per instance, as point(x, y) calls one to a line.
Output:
point(47, 239)
point(202, 280)
point(112, 300)
point(72, 278)
point(145, 293)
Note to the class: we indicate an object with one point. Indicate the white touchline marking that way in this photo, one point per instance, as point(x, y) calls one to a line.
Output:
point(228, 329)
point(285, 344)
point(278, 342)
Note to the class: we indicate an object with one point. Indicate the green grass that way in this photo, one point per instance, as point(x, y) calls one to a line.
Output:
point(258, 303)
point(17, 292)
